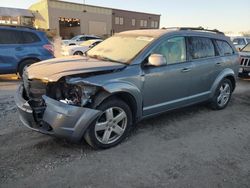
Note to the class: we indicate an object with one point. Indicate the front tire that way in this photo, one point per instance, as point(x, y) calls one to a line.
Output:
point(112, 126)
point(222, 95)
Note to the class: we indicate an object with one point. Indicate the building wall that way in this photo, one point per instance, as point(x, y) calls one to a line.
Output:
point(149, 21)
point(93, 19)
point(40, 11)
point(87, 15)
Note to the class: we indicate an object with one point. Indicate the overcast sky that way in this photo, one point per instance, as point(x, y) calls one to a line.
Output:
point(226, 15)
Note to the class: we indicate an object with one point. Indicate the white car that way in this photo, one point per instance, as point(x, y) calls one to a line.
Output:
point(79, 39)
point(80, 49)
point(240, 42)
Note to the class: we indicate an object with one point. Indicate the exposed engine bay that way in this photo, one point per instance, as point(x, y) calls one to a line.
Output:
point(80, 94)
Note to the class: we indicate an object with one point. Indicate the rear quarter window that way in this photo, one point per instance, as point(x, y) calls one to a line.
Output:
point(224, 48)
point(200, 47)
point(29, 37)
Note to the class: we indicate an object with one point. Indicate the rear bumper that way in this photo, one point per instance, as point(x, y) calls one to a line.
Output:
point(64, 120)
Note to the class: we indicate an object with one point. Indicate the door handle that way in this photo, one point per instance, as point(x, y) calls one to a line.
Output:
point(185, 69)
point(218, 63)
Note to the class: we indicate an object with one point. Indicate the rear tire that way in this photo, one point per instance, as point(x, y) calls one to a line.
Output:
point(23, 64)
point(112, 127)
point(222, 95)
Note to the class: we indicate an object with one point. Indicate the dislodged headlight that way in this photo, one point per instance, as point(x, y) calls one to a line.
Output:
point(78, 95)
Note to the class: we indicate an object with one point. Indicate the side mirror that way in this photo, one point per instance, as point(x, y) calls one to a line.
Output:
point(156, 60)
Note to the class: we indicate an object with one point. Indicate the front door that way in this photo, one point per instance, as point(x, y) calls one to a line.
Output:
point(166, 87)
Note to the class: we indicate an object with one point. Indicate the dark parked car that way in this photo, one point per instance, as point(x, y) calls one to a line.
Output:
point(126, 78)
point(244, 70)
point(22, 46)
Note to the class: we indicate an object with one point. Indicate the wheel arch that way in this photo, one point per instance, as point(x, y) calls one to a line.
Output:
point(228, 74)
point(129, 95)
point(25, 59)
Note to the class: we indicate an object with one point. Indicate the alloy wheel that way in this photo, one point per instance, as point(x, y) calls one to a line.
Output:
point(224, 94)
point(111, 125)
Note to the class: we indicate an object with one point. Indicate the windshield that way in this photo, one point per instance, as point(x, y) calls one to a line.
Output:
point(87, 43)
point(246, 48)
point(120, 48)
point(74, 38)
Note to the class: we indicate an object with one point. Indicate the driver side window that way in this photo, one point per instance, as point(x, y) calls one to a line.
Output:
point(173, 50)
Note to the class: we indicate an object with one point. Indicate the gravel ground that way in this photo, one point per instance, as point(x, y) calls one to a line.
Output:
point(191, 147)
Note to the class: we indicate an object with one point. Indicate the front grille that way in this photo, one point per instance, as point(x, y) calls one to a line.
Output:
point(245, 62)
point(34, 89)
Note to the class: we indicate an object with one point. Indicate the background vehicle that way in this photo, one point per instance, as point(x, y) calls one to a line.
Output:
point(244, 70)
point(79, 39)
point(21, 46)
point(80, 49)
point(128, 77)
point(240, 42)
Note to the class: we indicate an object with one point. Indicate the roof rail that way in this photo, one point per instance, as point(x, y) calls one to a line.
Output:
point(196, 29)
point(17, 26)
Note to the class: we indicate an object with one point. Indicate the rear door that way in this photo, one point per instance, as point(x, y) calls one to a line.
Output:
point(207, 66)
point(9, 44)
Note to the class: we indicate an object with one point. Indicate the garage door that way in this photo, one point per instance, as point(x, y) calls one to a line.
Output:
point(97, 28)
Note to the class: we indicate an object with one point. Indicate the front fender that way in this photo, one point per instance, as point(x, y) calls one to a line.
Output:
point(126, 87)
point(225, 73)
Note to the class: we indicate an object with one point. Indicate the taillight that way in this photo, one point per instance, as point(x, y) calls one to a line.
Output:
point(49, 47)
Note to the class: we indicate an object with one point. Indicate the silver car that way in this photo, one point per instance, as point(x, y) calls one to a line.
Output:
point(128, 77)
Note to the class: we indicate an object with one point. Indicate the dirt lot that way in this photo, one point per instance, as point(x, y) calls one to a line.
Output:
point(192, 147)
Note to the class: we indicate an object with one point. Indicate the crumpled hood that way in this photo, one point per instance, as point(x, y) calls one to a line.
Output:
point(54, 69)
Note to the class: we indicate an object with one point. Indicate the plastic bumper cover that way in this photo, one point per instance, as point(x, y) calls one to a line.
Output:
point(65, 120)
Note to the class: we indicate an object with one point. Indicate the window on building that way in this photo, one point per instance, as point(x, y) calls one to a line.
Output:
point(156, 24)
point(26, 21)
point(152, 24)
point(141, 23)
point(117, 20)
point(14, 20)
point(145, 23)
point(121, 20)
point(133, 22)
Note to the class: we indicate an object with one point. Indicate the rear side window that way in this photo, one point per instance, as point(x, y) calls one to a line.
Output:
point(9, 36)
point(200, 47)
point(29, 37)
point(224, 48)
point(17, 37)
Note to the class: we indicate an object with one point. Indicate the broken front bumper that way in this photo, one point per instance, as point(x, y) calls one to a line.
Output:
point(64, 120)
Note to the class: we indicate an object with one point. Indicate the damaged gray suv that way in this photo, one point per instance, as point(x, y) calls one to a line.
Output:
point(128, 77)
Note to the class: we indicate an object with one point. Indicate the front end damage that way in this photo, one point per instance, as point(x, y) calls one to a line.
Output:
point(57, 108)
